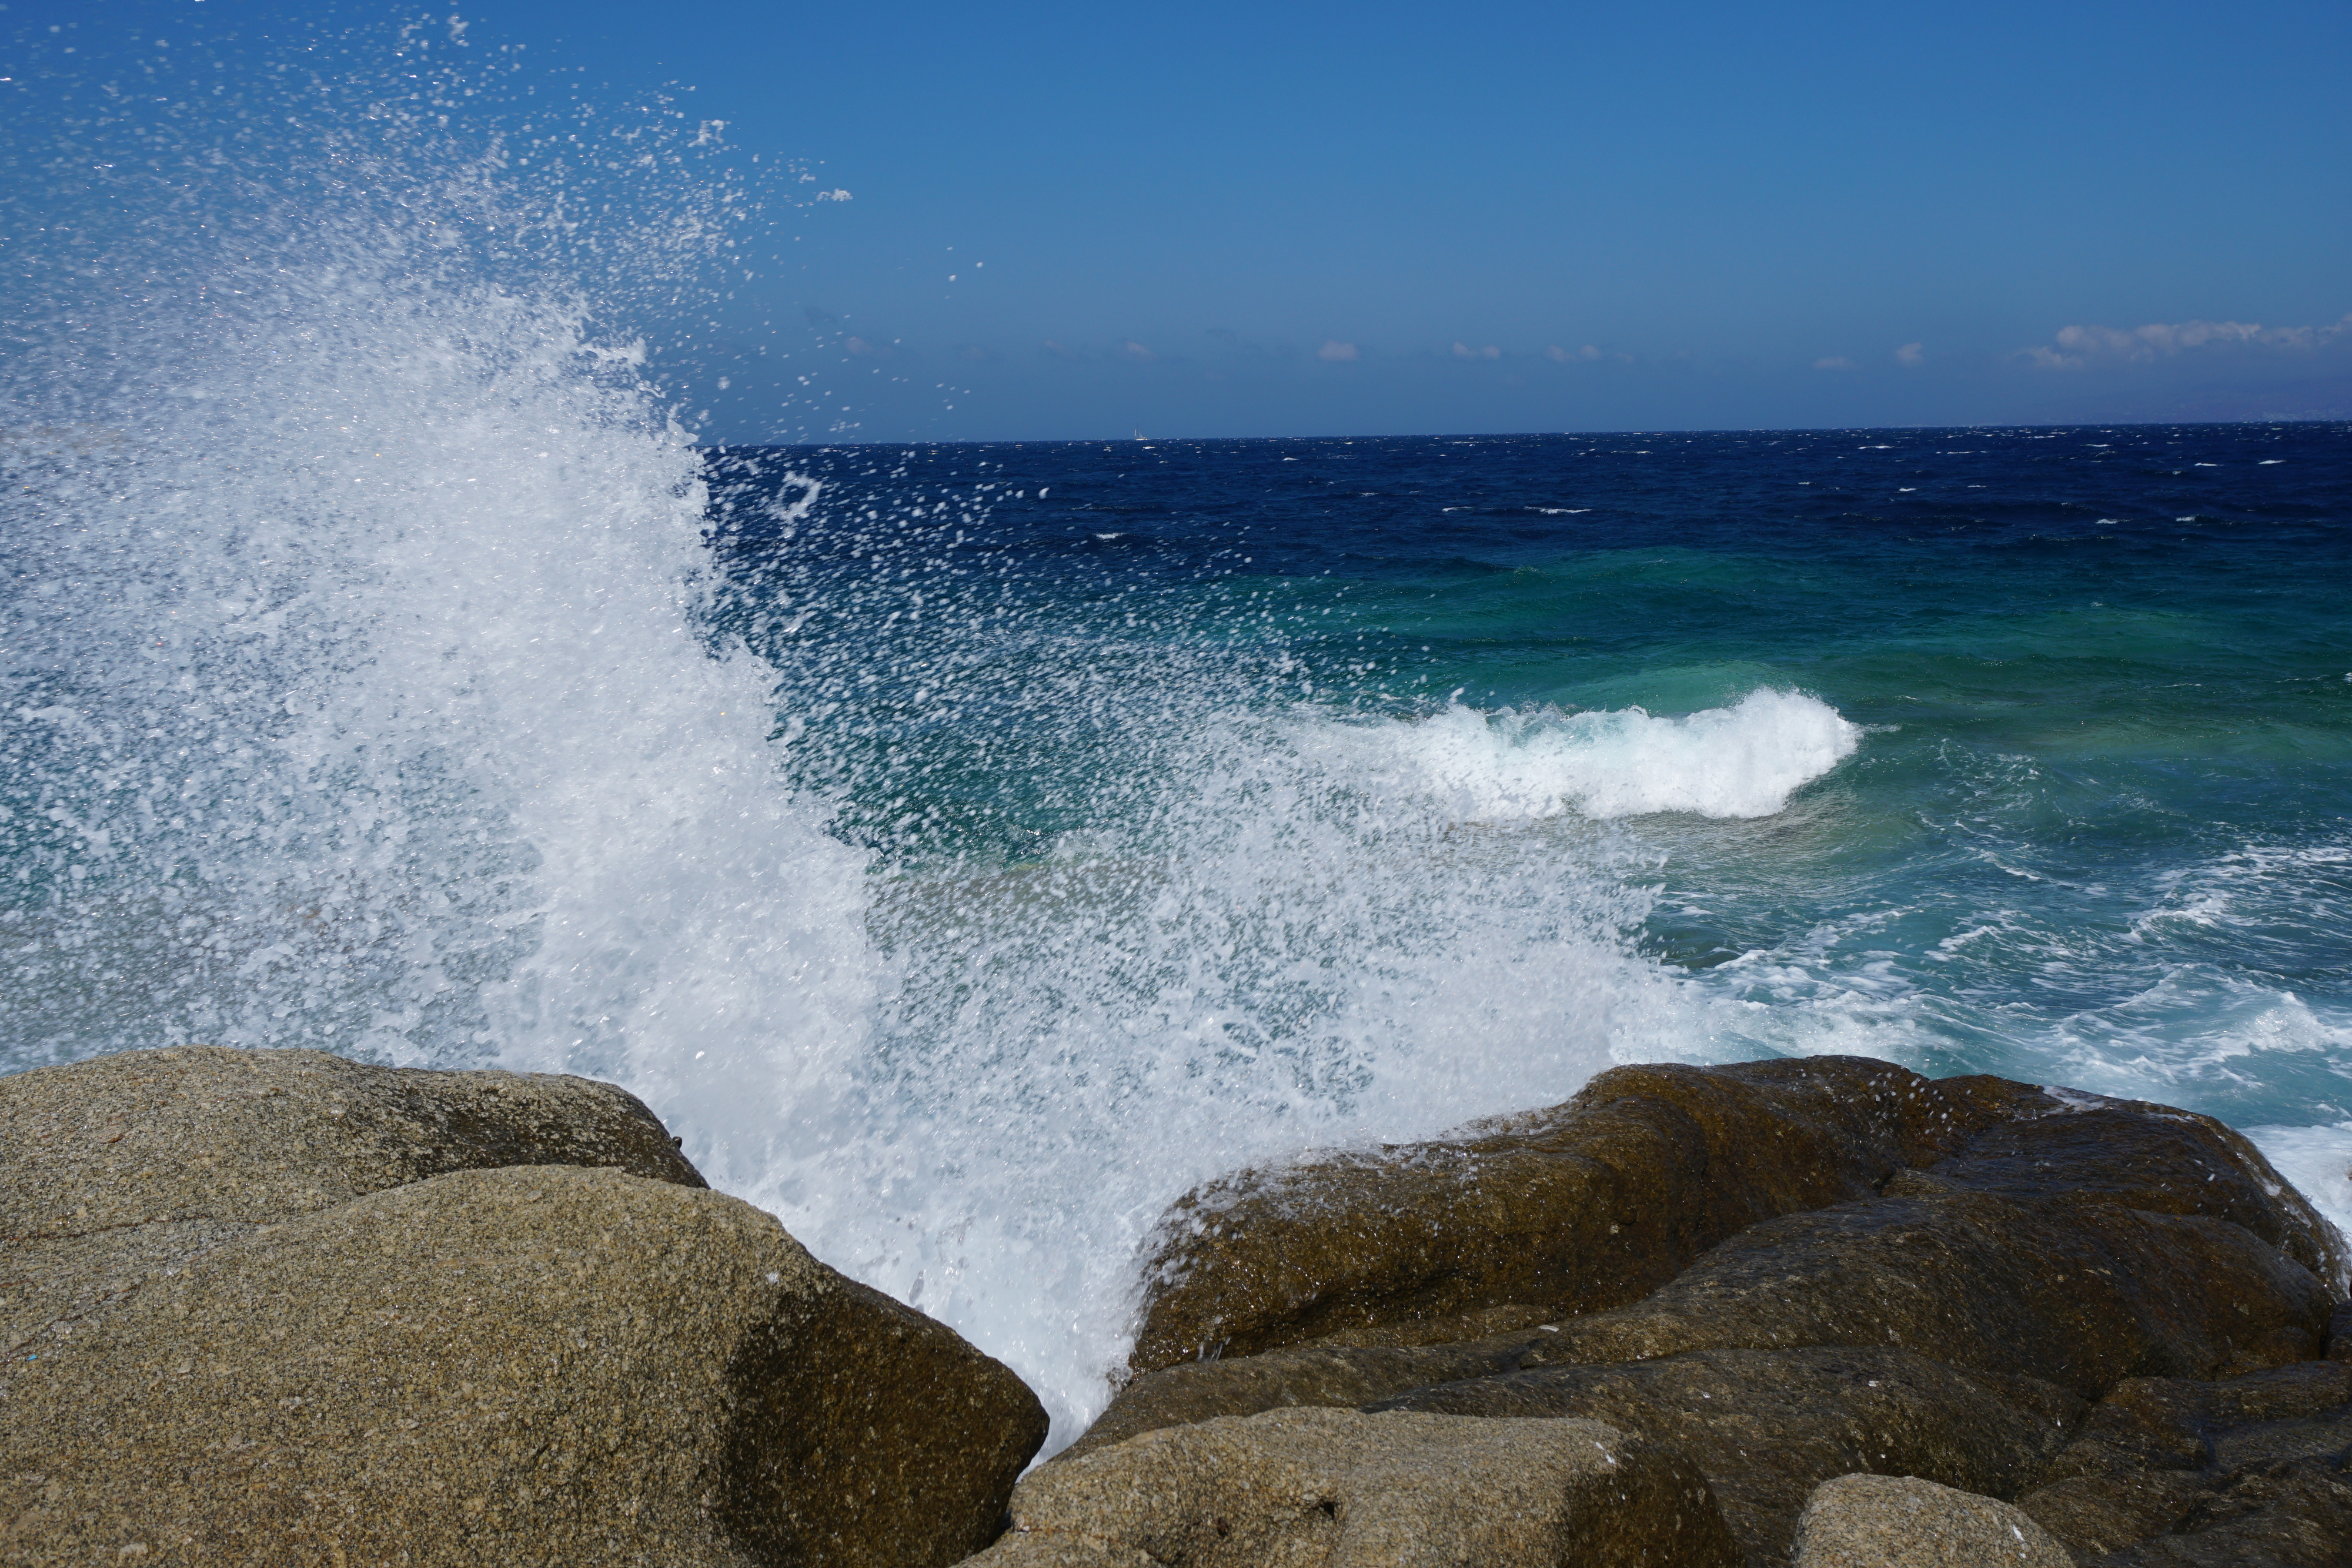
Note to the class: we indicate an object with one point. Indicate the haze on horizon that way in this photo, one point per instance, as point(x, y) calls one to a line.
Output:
point(1060, 221)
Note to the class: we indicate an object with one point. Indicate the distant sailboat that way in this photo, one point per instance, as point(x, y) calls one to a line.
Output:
point(1139, 432)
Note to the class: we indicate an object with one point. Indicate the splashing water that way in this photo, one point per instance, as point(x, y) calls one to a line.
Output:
point(1740, 761)
point(386, 671)
point(368, 687)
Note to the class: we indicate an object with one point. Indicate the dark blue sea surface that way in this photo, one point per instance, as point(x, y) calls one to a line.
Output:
point(967, 849)
point(2096, 827)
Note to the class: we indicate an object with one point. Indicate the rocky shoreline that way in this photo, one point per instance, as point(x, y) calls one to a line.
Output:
point(279, 1307)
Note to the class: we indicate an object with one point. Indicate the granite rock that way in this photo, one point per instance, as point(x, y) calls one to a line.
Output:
point(2082, 1293)
point(1767, 1427)
point(1902, 1521)
point(2251, 1465)
point(1332, 1488)
point(1582, 1207)
point(1330, 1377)
point(117, 1168)
point(526, 1365)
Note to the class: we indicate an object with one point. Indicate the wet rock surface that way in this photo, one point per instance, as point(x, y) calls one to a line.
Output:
point(2249, 1470)
point(277, 1307)
point(2098, 1318)
point(351, 1352)
point(1334, 1488)
point(1585, 1206)
point(1766, 1427)
point(2080, 1293)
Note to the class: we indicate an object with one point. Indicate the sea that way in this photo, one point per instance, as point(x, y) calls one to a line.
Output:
point(969, 848)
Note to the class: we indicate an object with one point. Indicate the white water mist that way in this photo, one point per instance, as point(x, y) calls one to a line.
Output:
point(363, 692)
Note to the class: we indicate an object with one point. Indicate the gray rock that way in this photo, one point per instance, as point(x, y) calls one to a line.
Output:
point(114, 1169)
point(1901, 1521)
point(527, 1366)
point(1331, 1489)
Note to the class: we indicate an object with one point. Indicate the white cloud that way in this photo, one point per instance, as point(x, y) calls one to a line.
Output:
point(1834, 362)
point(1464, 352)
point(1339, 351)
point(1911, 354)
point(832, 195)
point(2079, 346)
point(1563, 355)
point(1138, 351)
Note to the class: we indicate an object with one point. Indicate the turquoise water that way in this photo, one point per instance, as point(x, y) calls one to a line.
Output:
point(967, 849)
point(2092, 825)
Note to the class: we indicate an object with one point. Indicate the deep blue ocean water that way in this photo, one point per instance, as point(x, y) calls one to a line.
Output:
point(967, 849)
point(2097, 825)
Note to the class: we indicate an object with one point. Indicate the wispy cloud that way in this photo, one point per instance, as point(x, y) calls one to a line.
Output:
point(1911, 354)
point(1564, 355)
point(1135, 350)
point(1835, 362)
point(1337, 353)
point(2077, 348)
point(1464, 352)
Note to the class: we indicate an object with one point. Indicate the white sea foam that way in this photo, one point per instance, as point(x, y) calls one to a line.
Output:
point(362, 691)
point(363, 694)
point(2318, 1160)
point(1744, 760)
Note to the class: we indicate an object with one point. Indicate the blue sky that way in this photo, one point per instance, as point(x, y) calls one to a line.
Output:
point(1070, 221)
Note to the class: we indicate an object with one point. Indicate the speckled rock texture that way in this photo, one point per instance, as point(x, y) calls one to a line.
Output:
point(1588, 1205)
point(1901, 1521)
point(2249, 1470)
point(1332, 1488)
point(114, 1169)
point(306, 1332)
point(2106, 1314)
point(1596, 1203)
point(2073, 1293)
point(1767, 1427)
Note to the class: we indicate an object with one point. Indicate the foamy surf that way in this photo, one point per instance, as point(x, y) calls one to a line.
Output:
point(367, 693)
point(1744, 760)
point(368, 687)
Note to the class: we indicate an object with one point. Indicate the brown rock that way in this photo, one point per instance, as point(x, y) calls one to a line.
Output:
point(2190, 1411)
point(114, 1169)
point(1333, 1489)
point(2144, 1156)
point(1766, 1427)
point(2154, 1457)
point(1585, 1206)
point(2094, 1514)
point(2339, 1334)
point(2079, 1293)
point(1902, 1521)
point(529, 1366)
point(2296, 1514)
point(1326, 1376)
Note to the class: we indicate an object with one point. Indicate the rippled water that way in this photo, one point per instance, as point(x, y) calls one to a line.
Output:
point(967, 848)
